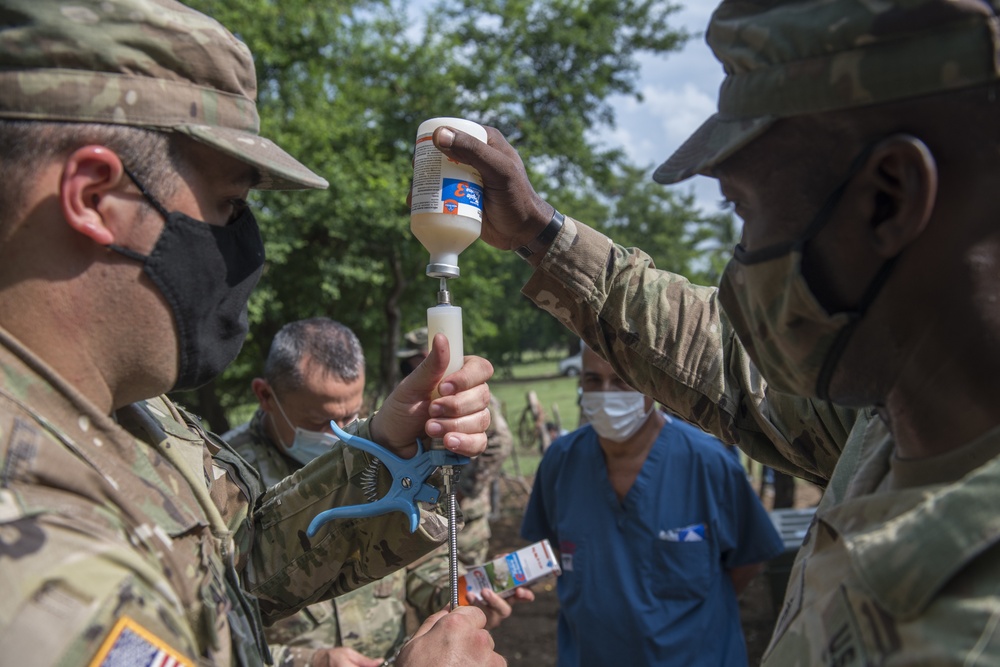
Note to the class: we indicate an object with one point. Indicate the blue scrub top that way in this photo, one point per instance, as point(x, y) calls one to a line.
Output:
point(645, 581)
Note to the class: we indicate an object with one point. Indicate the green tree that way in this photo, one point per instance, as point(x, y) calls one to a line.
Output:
point(343, 86)
point(668, 226)
point(333, 85)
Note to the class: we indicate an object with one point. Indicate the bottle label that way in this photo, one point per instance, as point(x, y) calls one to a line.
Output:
point(441, 185)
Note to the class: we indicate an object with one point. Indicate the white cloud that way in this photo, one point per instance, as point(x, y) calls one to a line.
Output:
point(694, 15)
point(679, 93)
point(667, 117)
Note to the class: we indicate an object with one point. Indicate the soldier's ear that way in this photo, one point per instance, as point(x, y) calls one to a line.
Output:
point(262, 390)
point(90, 193)
point(905, 181)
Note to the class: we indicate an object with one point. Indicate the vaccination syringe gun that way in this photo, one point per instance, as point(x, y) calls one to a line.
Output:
point(446, 213)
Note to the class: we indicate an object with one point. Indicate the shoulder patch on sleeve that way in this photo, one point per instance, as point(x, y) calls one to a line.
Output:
point(131, 645)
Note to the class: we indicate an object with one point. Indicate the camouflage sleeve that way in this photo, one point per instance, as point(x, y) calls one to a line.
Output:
point(293, 640)
point(427, 585)
point(287, 570)
point(73, 586)
point(291, 656)
point(670, 340)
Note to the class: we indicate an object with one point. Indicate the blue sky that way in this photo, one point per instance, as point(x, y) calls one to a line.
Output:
point(680, 92)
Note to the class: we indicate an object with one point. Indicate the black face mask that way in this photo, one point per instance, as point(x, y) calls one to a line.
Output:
point(206, 274)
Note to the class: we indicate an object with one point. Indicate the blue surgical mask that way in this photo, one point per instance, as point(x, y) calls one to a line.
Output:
point(306, 445)
point(615, 415)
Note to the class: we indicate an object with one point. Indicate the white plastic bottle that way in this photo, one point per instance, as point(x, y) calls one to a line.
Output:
point(446, 201)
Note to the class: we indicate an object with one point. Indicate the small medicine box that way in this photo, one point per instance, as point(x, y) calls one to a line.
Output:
point(505, 573)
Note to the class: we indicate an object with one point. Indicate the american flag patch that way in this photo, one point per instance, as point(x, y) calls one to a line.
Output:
point(131, 645)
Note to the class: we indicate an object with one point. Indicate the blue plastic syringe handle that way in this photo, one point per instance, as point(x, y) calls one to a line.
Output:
point(409, 477)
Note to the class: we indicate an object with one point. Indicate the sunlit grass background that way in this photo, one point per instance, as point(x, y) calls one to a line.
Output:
point(556, 395)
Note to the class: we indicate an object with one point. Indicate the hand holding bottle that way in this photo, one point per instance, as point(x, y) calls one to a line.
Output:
point(514, 214)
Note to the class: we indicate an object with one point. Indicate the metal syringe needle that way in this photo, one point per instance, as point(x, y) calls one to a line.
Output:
point(450, 476)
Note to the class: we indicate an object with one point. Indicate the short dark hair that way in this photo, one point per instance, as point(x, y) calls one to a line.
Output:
point(25, 144)
point(326, 342)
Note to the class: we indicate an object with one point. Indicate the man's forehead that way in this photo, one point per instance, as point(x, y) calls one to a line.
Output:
point(736, 174)
point(785, 146)
point(330, 393)
point(341, 404)
point(248, 178)
point(229, 171)
point(756, 155)
point(594, 365)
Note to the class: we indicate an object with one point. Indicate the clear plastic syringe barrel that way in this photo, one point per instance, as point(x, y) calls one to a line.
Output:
point(448, 320)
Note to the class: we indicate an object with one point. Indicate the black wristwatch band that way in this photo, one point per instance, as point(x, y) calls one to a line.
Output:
point(541, 242)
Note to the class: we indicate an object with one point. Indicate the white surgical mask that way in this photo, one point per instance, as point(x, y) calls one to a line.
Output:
point(615, 415)
point(307, 444)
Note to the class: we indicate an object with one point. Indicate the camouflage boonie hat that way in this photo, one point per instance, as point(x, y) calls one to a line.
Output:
point(414, 343)
point(790, 57)
point(146, 63)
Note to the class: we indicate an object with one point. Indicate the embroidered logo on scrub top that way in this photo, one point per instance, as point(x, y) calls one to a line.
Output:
point(693, 533)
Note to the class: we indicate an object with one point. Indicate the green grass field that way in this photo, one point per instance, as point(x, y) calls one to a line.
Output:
point(557, 396)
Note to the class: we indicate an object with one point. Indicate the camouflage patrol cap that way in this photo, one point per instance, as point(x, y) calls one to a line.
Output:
point(146, 63)
point(790, 57)
point(414, 343)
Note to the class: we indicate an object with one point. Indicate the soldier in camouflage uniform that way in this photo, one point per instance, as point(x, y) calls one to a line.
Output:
point(476, 482)
point(859, 143)
point(128, 534)
point(314, 374)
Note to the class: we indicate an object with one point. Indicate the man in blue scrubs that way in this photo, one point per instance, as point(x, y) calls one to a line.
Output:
point(658, 532)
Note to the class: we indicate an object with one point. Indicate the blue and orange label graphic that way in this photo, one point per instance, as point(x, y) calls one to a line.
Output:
point(516, 571)
point(455, 192)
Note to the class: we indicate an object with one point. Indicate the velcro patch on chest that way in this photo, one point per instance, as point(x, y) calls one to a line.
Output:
point(131, 645)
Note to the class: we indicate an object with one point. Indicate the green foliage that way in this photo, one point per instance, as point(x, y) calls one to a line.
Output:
point(667, 226)
point(343, 86)
point(543, 72)
point(557, 396)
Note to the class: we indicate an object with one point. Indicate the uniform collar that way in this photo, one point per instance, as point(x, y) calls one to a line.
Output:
point(907, 544)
